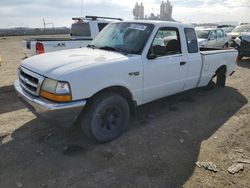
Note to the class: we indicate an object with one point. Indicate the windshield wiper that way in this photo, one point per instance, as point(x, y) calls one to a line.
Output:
point(110, 48)
point(91, 46)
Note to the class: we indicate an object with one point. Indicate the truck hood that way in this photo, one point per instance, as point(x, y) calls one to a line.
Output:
point(55, 64)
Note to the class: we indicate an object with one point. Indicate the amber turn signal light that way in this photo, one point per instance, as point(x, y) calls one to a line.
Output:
point(55, 97)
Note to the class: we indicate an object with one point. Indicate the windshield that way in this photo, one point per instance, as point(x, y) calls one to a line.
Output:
point(126, 37)
point(242, 28)
point(202, 34)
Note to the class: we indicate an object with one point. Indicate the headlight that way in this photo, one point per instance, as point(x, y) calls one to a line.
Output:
point(49, 85)
point(54, 90)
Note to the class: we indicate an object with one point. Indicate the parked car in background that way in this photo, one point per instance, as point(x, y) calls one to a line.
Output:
point(82, 32)
point(212, 38)
point(237, 31)
point(242, 44)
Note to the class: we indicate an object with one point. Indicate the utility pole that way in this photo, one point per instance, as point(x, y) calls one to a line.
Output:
point(48, 23)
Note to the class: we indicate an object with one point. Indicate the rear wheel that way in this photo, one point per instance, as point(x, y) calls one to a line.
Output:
point(106, 117)
point(221, 77)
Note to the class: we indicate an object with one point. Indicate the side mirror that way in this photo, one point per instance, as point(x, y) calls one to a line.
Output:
point(151, 54)
point(156, 51)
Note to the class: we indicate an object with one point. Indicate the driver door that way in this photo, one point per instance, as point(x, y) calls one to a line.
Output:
point(165, 68)
point(212, 40)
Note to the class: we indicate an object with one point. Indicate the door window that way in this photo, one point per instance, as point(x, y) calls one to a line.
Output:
point(213, 35)
point(220, 33)
point(191, 40)
point(166, 42)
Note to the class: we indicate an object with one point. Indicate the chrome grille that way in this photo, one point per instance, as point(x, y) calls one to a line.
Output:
point(30, 81)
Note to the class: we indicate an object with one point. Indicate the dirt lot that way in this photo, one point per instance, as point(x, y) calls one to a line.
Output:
point(160, 148)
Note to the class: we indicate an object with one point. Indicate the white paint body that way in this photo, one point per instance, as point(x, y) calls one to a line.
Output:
point(89, 71)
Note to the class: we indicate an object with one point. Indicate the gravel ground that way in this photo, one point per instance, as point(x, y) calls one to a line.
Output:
point(160, 148)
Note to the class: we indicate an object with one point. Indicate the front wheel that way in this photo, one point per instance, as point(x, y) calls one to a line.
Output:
point(106, 117)
point(225, 46)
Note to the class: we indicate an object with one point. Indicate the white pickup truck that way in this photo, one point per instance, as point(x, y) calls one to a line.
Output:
point(82, 32)
point(128, 64)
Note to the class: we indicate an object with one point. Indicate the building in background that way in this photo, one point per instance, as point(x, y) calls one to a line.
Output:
point(166, 10)
point(152, 16)
point(138, 11)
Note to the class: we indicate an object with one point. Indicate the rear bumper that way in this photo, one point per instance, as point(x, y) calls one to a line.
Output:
point(60, 113)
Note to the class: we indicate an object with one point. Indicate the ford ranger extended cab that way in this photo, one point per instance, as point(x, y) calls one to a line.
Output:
point(128, 64)
point(82, 32)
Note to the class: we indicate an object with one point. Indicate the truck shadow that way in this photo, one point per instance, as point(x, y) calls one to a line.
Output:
point(9, 100)
point(159, 149)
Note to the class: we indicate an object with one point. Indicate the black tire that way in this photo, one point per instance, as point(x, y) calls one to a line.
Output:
point(221, 77)
point(225, 46)
point(106, 117)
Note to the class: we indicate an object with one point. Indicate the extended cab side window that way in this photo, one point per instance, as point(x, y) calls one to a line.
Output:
point(166, 42)
point(192, 44)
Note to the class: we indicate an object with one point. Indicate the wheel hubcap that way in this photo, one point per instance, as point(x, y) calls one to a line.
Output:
point(111, 119)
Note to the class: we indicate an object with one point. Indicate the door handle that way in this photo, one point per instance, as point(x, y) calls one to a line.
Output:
point(182, 63)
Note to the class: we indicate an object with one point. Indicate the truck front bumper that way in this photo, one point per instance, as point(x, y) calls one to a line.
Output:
point(60, 113)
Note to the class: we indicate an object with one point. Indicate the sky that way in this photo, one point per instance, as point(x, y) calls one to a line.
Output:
point(30, 13)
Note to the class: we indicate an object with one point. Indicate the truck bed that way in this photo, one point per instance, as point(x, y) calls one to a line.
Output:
point(56, 39)
point(54, 44)
point(27, 42)
point(214, 58)
point(205, 49)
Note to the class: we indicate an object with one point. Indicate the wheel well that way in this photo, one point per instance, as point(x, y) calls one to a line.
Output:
point(222, 69)
point(123, 91)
